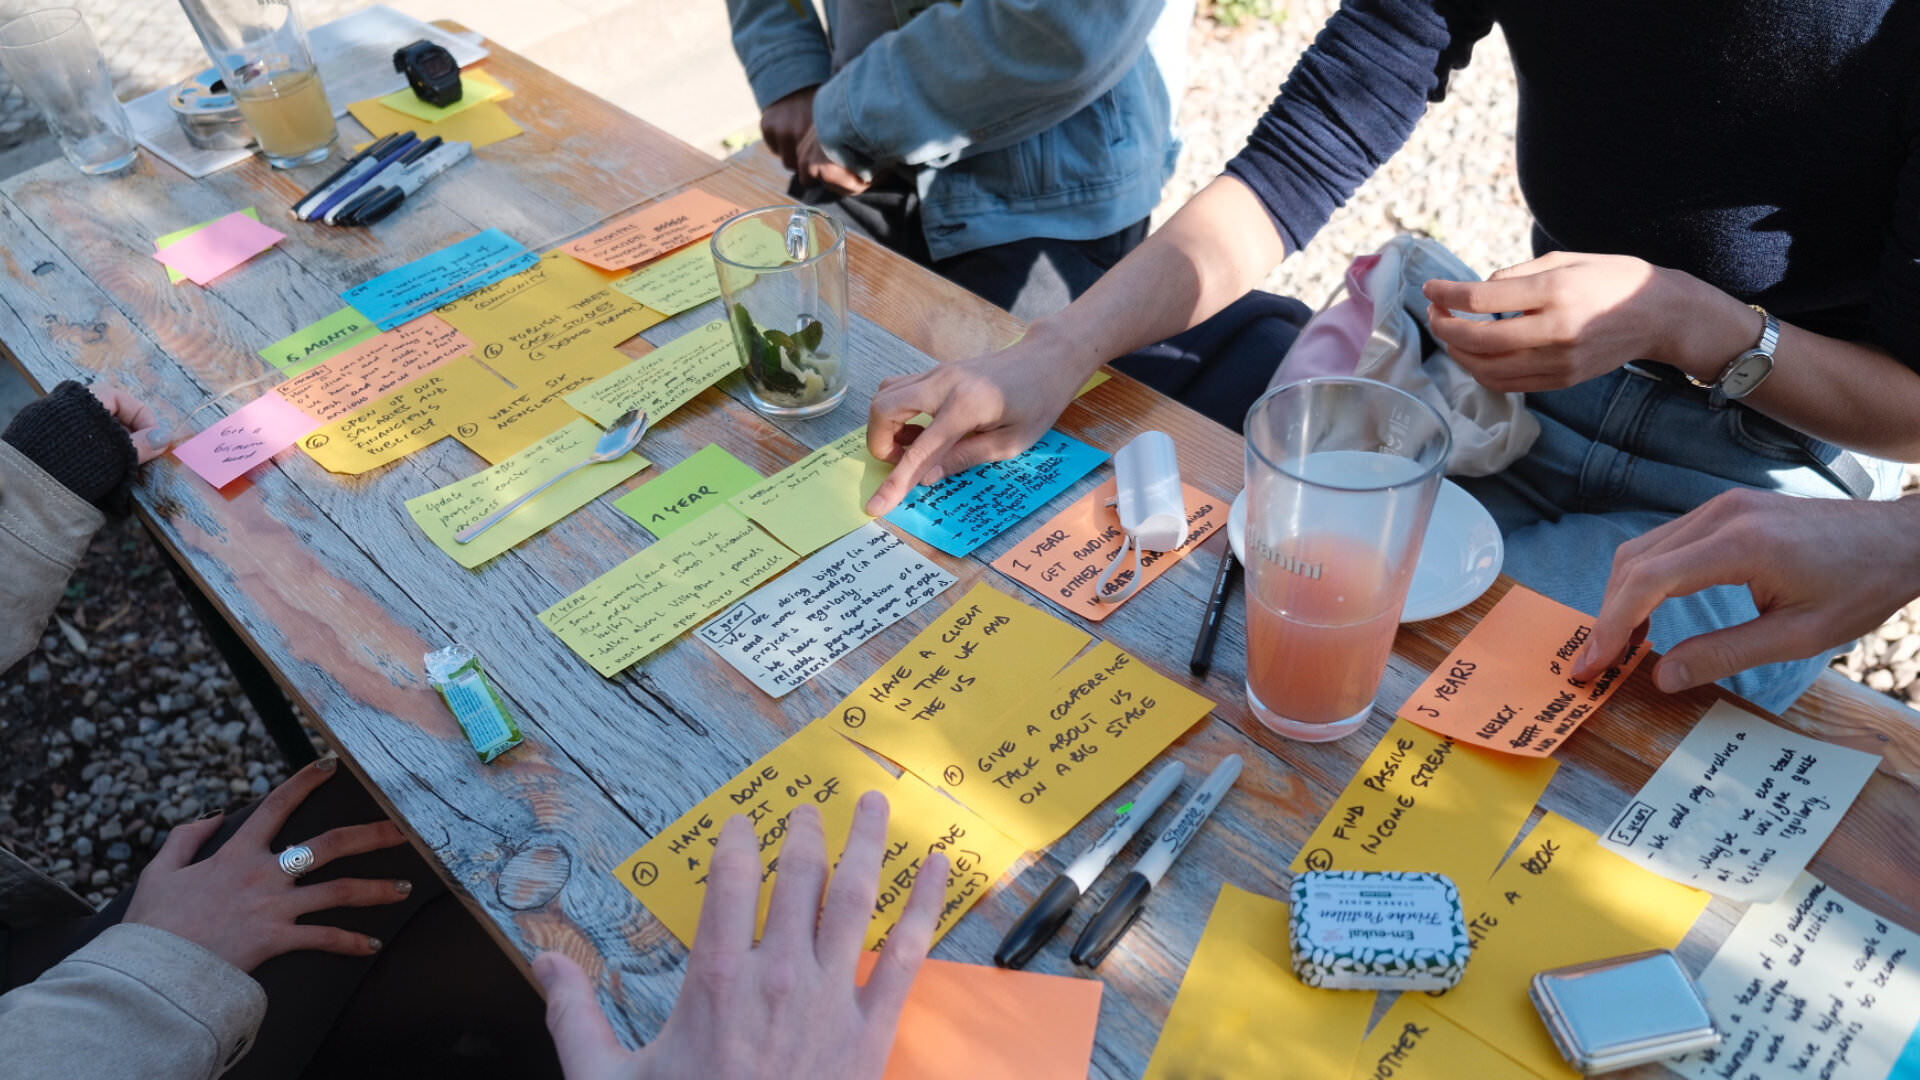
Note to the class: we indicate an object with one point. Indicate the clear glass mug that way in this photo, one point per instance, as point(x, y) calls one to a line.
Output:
point(1341, 478)
point(783, 278)
point(261, 50)
point(52, 58)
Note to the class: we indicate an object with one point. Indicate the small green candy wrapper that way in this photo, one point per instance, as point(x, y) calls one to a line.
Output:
point(456, 672)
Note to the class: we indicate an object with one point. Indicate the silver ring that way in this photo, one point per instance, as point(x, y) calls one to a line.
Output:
point(296, 860)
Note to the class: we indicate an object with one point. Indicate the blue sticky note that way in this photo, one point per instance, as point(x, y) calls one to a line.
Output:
point(439, 279)
point(1908, 1067)
point(968, 509)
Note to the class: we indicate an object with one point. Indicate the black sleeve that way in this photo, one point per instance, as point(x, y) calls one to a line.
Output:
point(75, 440)
point(1896, 295)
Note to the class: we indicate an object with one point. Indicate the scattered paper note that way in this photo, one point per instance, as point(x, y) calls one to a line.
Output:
point(1811, 984)
point(442, 514)
point(1094, 380)
point(706, 479)
point(248, 436)
point(1424, 802)
point(830, 605)
point(820, 498)
point(978, 1022)
point(1412, 1042)
point(686, 279)
point(208, 251)
point(476, 88)
point(526, 326)
point(305, 348)
point(652, 231)
point(1559, 899)
point(969, 665)
point(418, 414)
point(482, 125)
point(969, 508)
point(536, 407)
point(1063, 558)
point(349, 380)
point(662, 380)
point(920, 822)
point(647, 601)
point(1506, 686)
point(1740, 806)
point(174, 237)
point(436, 280)
point(1243, 1014)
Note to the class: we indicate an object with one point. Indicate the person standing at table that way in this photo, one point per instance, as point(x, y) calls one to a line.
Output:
point(1016, 147)
point(1682, 161)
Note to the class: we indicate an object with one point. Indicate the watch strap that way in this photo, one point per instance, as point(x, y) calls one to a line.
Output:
point(1769, 341)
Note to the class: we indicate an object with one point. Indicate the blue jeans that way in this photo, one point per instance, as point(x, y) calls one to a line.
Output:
point(1625, 453)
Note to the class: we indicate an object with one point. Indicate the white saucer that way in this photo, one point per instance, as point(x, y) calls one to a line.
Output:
point(1459, 559)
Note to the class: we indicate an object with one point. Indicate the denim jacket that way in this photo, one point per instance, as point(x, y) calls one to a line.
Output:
point(1016, 118)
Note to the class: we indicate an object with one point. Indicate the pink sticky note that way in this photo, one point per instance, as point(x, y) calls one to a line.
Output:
point(219, 247)
point(249, 436)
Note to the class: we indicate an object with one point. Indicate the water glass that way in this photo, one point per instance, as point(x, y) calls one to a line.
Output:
point(783, 278)
point(53, 60)
point(261, 50)
point(1341, 478)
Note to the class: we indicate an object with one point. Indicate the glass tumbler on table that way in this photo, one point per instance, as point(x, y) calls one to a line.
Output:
point(1341, 478)
point(261, 50)
point(52, 58)
point(783, 278)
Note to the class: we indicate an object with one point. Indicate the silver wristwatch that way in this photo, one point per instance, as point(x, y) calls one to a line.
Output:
point(1744, 373)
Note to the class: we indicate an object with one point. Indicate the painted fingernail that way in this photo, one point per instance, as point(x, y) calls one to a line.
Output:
point(403, 887)
point(210, 814)
point(328, 763)
point(373, 944)
point(1671, 676)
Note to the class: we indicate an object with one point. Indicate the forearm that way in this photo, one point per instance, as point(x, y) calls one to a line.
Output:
point(1217, 247)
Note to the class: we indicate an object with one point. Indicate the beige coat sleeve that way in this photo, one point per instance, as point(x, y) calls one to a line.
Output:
point(134, 1002)
point(44, 531)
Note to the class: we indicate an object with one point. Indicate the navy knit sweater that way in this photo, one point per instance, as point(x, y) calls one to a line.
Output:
point(1770, 147)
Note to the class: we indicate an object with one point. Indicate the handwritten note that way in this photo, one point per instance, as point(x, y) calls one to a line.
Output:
point(1740, 806)
point(830, 605)
point(1242, 1013)
point(820, 498)
point(652, 231)
point(1065, 557)
point(177, 235)
point(977, 1022)
point(1412, 1042)
point(527, 325)
point(438, 279)
point(686, 279)
point(248, 436)
point(1424, 802)
point(536, 407)
point(442, 514)
point(476, 88)
point(968, 666)
point(481, 125)
point(1559, 899)
point(300, 351)
point(350, 380)
point(647, 601)
point(419, 414)
point(1059, 754)
point(920, 822)
point(972, 507)
point(1811, 984)
point(1506, 686)
point(207, 252)
point(705, 480)
point(662, 380)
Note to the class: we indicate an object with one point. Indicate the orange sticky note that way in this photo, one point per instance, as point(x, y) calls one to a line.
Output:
point(1063, 558)
point(653, 231)
point(1506, 687)
point(351, 380)
point(972, 1022)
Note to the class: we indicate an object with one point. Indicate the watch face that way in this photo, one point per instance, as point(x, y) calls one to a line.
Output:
point(1746, 373)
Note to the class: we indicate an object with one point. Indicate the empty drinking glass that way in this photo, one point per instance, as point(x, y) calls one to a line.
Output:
point(53, 60)
point(261, 50)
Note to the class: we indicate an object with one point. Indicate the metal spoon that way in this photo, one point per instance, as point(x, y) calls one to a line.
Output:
point(623, 436)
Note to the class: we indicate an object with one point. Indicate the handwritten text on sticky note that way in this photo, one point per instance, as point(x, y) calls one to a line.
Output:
point(521, 415)
point(820, 498)
point(248, 436)
point(705, 480)
point(300, 351)
point(418, 414)
point(439, 279)
point(686, 278)
point(1063, 559)
point(350, 380)
point(653, 230)
point(662, 380)
point(531, 323)
point(969, 508)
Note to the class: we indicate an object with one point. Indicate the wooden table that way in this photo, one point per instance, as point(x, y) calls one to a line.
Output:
point(330, 582)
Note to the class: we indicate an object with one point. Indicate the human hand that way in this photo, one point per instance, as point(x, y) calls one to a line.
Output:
point(1581, 317)
point(784, 122)
point(787, 1006)
point(1822, 572)
point(239, 904)
point(137, 417)
point(815, 165)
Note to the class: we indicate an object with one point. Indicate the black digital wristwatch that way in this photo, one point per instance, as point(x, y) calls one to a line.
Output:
point(431, 72)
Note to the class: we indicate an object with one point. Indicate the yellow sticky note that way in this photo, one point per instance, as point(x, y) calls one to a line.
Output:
point(657, 595)
point(416, 415)
point(1559, 899)
point(662, 380)
point(820, 498)
point(920, 822)
point(669, 874)
point(535, 406)
point(1054, 757)
point(1412, 1042)
point(1242, 1014)
point(962, 672)
point(443, 513)
point(686, 278)
point(1093, 381)
point(476, 88)
point(526, 325)
point(482, 125)
point(1424, 802)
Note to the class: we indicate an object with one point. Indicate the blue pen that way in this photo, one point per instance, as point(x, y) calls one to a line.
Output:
point(344, 190)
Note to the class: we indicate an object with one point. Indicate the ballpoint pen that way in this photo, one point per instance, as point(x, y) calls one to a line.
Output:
point(380, 176)
point(358, 165)
point(1223, 582)
point(1043, 919)
point(347, 187)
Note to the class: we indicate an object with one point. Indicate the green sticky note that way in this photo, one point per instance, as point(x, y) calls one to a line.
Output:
point(707, 479)
point(177, 235)
point(309, 345)
point(475, 89)
point(820, 498)
point(685, 279)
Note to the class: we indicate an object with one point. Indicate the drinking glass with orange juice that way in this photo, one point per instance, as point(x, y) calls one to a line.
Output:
point(261, 50)
point(1341, 479)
